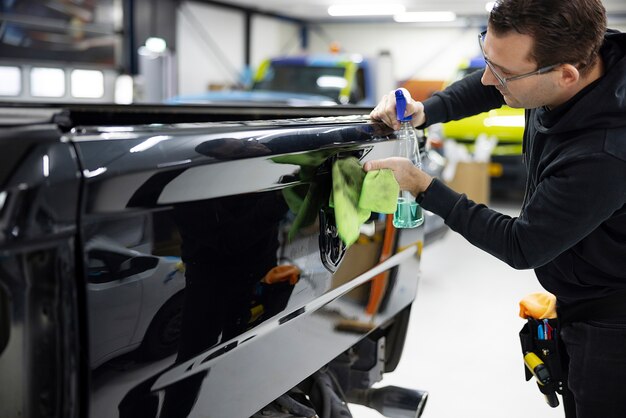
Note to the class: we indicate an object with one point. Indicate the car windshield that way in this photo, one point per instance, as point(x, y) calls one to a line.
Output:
point(325, 81)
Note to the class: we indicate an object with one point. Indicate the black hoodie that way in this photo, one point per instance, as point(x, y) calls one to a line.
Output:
point(572, 226)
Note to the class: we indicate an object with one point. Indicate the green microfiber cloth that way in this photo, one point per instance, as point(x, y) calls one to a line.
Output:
point(355, 195)
point(380, 191)
point(348, 179)
point(306, 199)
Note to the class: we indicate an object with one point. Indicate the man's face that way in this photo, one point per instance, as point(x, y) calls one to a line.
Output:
point(509, 55)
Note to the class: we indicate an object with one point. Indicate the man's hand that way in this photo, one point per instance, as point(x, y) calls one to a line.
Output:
point(385, 110)
point(408, 176)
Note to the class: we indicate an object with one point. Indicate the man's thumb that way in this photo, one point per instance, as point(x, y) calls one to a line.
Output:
point(371, 165)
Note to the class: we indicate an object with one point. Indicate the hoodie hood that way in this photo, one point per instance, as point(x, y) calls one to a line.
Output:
point(597, 105)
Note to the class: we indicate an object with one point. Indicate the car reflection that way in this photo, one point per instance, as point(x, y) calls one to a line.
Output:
point(135, 301)
point(181, 280)
point(207, 271)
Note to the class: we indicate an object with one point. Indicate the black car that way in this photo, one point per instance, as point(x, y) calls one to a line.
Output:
point(184, 261)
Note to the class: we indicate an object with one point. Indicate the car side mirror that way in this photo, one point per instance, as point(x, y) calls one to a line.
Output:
point(137, 265)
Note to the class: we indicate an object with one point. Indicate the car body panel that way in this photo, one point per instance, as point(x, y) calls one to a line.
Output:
point(505, 123)
point(227, 170)
point(39, 190)
point(129, 328)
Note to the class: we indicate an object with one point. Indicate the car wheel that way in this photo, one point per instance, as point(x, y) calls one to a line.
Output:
point(163, 334)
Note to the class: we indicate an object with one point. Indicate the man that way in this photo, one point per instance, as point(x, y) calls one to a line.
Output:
point(557, 60)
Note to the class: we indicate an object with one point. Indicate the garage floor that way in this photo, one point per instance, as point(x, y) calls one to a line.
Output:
point(462, 345)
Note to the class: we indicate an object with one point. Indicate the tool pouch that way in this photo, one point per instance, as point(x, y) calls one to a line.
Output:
point(546, 345)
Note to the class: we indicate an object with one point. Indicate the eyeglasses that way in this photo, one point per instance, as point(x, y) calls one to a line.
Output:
point(504, 80)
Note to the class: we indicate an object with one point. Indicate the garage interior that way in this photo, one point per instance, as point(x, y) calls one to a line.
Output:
point(464, 323)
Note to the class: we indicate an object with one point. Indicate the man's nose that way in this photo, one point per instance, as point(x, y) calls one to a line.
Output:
point(488, 79)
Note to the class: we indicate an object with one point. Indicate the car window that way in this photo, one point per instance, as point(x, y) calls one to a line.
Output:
point(358, 89)
point(326, 81)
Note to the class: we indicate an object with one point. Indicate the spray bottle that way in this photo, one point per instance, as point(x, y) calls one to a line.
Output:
point(408, 213)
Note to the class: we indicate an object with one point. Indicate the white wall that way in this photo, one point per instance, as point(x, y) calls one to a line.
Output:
point(417, 52)
point(423, 53)
point(214, 54)
point(272, 37)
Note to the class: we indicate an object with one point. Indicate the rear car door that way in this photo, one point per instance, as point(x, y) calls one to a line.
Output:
point(184, 269)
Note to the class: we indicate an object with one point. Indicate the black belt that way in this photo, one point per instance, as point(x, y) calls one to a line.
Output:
point(612, 306)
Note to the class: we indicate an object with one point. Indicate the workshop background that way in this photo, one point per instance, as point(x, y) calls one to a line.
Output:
point(462, 345)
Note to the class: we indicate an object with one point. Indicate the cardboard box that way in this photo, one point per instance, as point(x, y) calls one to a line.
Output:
point(472, 179)
point(360, 257)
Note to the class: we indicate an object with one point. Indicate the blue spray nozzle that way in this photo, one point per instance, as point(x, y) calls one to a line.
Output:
point(401, 107)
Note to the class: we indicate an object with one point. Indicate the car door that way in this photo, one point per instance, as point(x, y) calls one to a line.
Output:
point(240, 203)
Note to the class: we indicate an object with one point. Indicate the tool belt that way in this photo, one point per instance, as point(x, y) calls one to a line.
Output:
point(542, 357)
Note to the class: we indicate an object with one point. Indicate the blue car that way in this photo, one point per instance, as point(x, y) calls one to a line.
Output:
point(301, 81)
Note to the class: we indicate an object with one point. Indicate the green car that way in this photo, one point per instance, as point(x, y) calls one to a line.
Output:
point(506, 169)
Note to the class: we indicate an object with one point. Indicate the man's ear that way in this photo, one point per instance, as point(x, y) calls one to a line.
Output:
point(569, 75)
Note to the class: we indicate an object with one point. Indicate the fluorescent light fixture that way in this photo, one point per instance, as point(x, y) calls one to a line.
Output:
point(11, 81)
point(376, 9)
point(87, 84)
point(47, 82)
point(489, 5)
point(425, 17)
point(124, 89)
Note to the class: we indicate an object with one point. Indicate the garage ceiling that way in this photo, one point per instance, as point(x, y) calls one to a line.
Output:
point(317, 9)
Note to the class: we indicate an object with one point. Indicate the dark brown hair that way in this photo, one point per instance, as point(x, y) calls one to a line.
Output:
point(564, 31)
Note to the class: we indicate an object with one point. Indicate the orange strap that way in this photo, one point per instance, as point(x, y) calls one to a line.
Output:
point(283, 273)
point(379, 282)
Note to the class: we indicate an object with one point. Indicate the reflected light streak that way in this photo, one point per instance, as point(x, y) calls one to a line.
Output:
point(149, 143)
point(173, 163)
point(46, 166)
point(94, 173)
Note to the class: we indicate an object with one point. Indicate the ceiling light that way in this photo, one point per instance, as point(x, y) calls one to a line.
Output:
point(156, 45)
point(365, 9)
point(425, 17)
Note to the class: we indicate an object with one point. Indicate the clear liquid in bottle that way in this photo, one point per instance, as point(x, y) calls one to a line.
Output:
point(409, 213)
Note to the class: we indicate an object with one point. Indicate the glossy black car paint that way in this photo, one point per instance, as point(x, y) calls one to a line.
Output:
point(131, 259)
point(39, 361)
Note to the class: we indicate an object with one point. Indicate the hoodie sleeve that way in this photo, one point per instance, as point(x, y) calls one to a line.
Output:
point(463, 98)
point(570, 203)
